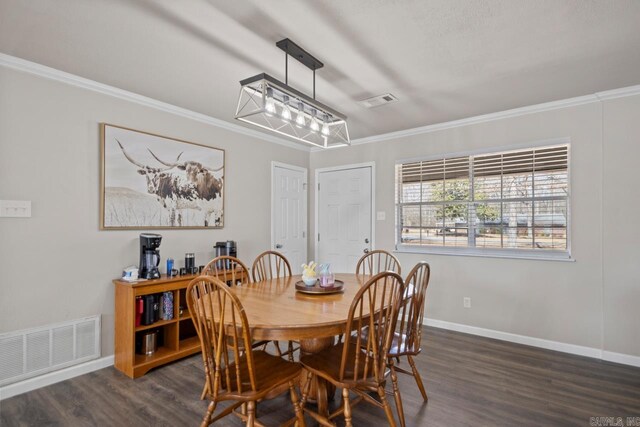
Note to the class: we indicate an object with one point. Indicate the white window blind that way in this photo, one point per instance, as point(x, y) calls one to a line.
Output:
point(512, 200)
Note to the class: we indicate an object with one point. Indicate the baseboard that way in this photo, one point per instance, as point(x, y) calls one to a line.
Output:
point(519, 339)
point(54, 377)
point(625, 359)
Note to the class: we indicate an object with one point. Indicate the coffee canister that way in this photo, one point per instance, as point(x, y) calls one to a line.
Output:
point(167, 305)
point(149, 343)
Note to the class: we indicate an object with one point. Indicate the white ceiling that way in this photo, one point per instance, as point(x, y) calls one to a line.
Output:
point(443, 59)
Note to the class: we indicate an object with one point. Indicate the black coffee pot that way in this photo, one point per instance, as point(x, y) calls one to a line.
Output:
point(149, 256)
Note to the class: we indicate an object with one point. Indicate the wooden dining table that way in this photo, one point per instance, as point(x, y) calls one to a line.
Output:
point(276, 311)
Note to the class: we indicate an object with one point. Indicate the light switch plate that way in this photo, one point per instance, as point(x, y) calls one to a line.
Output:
point(381, 215)
point(15, 208)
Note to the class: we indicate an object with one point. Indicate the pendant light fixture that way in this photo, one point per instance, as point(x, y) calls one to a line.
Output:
point(270, 104)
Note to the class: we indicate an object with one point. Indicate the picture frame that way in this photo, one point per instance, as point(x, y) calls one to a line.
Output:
point(150, 181)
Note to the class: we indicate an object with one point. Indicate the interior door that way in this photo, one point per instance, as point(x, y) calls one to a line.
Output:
point(289, 214)
point(344, 217)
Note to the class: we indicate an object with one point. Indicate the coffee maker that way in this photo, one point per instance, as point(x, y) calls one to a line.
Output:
point(226, 248)
point(149, 256)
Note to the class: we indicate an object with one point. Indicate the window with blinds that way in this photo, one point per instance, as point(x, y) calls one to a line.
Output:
point(512, 200)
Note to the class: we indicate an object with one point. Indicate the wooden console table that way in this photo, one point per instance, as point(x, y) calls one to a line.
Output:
point(178, 335)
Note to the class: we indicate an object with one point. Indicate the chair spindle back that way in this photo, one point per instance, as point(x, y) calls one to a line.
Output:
point(373, 314)
point(222, 327)
point(228, 269)
point(377, 261)
point(412, 311)
point(270, 265)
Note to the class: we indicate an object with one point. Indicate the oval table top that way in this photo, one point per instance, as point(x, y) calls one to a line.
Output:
point(276, 311)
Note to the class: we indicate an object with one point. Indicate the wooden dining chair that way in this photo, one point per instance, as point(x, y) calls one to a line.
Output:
point(408, 335)
point(233, 272)
point(231, 373)
point(272, 265)
point(228, 269)
point(377, 261)
point(353, 366)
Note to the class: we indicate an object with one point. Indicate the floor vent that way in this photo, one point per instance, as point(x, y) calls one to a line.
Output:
point(376, 101)
point(31, 352)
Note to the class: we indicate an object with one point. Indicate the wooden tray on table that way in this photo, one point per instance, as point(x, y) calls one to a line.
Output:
point(319, 290)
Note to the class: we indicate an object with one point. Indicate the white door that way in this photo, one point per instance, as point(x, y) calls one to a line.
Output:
point(289, 214)
point(344, 217)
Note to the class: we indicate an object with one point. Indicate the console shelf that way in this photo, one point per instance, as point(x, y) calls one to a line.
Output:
point(179, 338)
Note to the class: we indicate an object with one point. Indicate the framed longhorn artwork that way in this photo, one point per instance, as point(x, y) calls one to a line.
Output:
point(152, 181)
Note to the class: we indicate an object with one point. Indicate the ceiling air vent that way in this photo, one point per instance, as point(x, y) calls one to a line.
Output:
point(376, 101)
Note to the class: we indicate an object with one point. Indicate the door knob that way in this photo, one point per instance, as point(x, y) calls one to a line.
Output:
point(366, 250)
point(366, 240)
point(278, 246)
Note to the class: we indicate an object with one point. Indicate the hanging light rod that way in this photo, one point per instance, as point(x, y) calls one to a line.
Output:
point(290, 48)
point(268, 103)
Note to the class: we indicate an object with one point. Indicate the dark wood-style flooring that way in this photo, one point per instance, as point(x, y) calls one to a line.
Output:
point(471, 381)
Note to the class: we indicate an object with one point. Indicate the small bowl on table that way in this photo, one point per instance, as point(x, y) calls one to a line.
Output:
point(309, 281)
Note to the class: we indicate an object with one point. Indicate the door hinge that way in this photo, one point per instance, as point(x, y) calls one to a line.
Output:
point(304, 234)
point(304, 185)
point(318, 186)
point(318, 237)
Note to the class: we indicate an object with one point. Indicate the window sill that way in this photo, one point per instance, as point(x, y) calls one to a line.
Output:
point(515, 254)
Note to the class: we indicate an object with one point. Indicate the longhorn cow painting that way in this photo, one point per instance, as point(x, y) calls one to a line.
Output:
point(151, 181)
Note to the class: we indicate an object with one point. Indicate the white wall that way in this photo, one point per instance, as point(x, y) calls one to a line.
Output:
point(621, 236)
point(558, 301)
point(57, 265)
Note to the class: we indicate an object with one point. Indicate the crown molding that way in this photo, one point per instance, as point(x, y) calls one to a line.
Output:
point(40, 70)
point(521, 111)
point(531, 109)
point(619, 93)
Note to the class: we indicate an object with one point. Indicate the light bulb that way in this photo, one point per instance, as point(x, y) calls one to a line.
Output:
point(300, 122)
point(325, 126)
point(315, 127)
point(286, 113)
point(286, 110)
point(270, 105)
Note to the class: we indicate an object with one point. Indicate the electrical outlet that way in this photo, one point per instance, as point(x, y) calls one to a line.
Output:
point(466, 302)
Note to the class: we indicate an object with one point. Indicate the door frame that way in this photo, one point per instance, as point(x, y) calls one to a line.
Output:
point(305, 217)
point(318, 171)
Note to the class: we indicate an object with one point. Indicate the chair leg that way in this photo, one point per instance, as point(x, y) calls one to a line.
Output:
point(396, 395)
point(207, 417)
point(305, 392)
point(296, 405)
point(277, 346)
point(204, 391)
point(386, 406)
point(416, 375)
point(251, 413)
point(290, 351)
point(347, 407)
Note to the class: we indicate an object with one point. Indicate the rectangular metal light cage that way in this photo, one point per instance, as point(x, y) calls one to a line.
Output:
point(252, 108)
